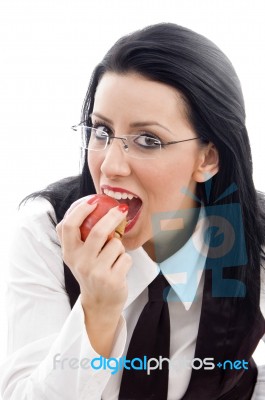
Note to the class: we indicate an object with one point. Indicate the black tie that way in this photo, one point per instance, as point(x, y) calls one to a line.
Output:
point(151, 338)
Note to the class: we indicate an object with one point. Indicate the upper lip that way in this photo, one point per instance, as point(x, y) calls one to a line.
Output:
point(118, 189)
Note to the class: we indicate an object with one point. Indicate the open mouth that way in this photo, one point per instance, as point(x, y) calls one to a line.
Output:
point(134, 203)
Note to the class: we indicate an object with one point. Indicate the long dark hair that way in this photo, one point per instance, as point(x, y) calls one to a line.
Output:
point(197, 68)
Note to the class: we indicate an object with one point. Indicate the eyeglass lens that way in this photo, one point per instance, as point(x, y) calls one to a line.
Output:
point(136, 145)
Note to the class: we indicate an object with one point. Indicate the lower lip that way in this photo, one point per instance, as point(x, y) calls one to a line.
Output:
point(133, 221)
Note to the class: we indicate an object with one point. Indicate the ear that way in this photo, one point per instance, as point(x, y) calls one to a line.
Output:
point(208, 163)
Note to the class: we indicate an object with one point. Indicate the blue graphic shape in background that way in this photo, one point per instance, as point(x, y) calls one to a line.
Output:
point(223, 234)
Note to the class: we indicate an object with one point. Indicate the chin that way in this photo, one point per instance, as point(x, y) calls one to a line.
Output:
point(131, 244)
point(134, 241)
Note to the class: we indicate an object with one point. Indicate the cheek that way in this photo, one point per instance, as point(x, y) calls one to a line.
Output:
point(170, 184)
point(172, 175)
point(94, 164)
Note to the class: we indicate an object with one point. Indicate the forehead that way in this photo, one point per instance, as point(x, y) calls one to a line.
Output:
point(134, 95)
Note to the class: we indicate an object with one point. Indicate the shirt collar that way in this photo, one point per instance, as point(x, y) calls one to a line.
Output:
point(183, 270)
point(144, 270)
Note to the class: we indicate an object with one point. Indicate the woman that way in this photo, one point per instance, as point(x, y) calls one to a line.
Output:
point(181, 163)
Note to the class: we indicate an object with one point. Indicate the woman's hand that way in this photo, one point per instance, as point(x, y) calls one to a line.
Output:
point(100, 267)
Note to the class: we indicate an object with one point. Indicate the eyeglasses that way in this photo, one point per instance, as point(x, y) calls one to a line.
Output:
point(142, 145)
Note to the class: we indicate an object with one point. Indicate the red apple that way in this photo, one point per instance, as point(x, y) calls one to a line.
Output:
point(104, 204)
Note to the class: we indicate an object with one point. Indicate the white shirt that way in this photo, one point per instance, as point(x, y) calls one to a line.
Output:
point(49, 353)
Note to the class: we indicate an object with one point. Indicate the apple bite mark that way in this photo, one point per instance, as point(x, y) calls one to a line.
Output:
point(120, 229)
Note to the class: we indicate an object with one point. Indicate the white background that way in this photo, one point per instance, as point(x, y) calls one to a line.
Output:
point(48, 51)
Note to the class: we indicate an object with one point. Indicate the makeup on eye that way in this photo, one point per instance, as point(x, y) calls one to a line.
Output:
point(96, 116)
point(102, 127)
point(135, 124)
point(146, 134)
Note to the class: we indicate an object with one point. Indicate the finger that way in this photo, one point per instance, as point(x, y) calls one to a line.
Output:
point(70, 225)
point(103, 228)
point(111, 252)
point(77, 202)
point(59, 231)
point(122, 266)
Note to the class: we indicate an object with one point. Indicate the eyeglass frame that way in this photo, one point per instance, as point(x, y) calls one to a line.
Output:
point(126, 147)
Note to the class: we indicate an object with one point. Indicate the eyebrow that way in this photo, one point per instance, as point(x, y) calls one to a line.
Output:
point(134, 124)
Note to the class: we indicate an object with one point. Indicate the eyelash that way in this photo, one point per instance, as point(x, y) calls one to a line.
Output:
point(97, 124)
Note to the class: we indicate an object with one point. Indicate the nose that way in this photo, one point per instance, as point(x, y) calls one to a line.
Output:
point(115, 162)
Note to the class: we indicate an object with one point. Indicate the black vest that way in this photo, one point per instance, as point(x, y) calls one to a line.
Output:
point(229, 329)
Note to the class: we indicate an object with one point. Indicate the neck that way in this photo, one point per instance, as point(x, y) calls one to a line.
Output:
point(172, 234)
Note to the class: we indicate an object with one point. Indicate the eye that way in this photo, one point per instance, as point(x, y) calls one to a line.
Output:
point(101, 131)
point(148, 141)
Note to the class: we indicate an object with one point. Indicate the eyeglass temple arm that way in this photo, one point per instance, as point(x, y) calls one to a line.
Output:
point(75, 127)
point(180, 141)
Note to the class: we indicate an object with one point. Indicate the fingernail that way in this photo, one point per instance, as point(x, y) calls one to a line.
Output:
point(123, 207)
point(93, 200)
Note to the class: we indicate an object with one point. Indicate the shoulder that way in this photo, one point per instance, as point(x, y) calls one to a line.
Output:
point(36, 209)
point(60, 195)
point(36, 219)
point(35, 251)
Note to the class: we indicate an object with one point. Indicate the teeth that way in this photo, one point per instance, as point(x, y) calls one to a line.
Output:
point(118, 195)
point(111, 194)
